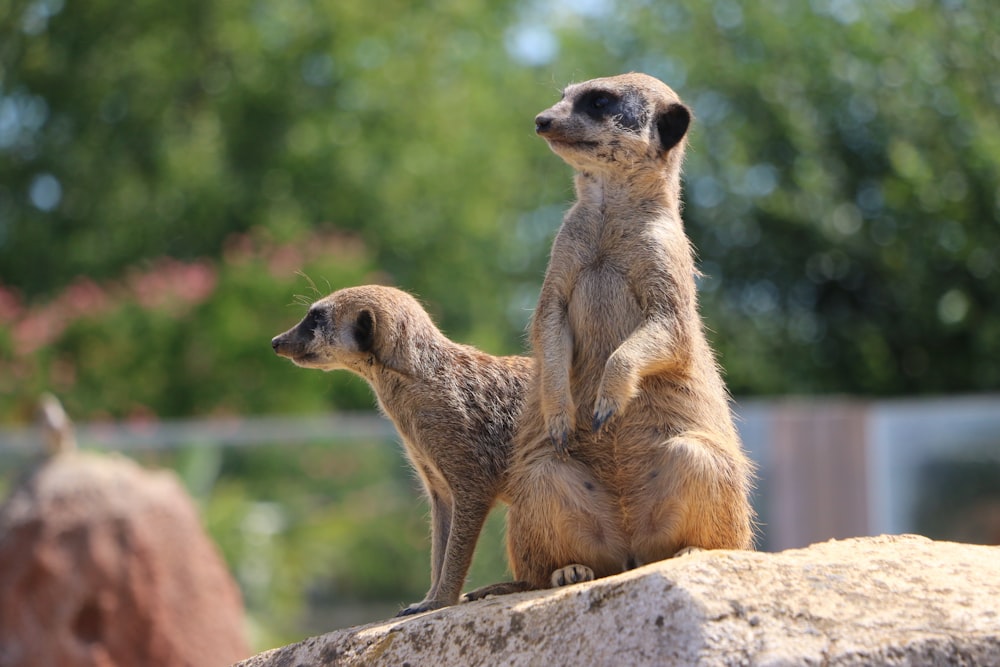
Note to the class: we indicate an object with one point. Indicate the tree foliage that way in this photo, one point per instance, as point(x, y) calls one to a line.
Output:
point(160, 129)
point(841, 184)
point(841, 187)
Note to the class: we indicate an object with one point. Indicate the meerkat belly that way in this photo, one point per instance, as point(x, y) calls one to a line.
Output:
point(602, 314)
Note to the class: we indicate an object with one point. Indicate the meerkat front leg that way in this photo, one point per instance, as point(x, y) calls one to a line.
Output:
point(554, 342)
point(456, 557)
point(441, 528)
point(649, 349)
point(558, 408)
point(465, 532)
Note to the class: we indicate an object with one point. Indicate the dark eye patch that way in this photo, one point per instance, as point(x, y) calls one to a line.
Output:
point(628, 110)
point(598, 104)
point(315, 318)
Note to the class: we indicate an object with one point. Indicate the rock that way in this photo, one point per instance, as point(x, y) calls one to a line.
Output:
point(891, 600)
point(103, 563)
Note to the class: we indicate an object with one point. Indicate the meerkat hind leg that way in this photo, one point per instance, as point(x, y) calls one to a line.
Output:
point(699, 501)
point(502, 588)
point(687, 551)
point(564, 576)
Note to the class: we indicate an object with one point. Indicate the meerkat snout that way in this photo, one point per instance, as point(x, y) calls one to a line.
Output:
point(295, 344)
point(280, 345)
point(542, 123)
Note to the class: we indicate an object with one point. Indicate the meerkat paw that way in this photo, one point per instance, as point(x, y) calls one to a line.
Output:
point(571, 574)
point(604, 409)
point(420, 607)
point(557, 412)
point(615, 391)
point(687, 551)
point(559, 427)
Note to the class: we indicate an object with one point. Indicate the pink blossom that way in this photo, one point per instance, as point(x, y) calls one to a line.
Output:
point(197, 282)
point(38, 328)
point(145, 286)
point(84, 297)
point(173, 285)
point(238, 249)
point(284, 261)
point(11, 307)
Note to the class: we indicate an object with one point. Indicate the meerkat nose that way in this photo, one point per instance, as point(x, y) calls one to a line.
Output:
point(542, 124)
point(275, 343)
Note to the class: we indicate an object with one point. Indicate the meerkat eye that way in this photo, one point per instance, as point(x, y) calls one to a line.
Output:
point(598, 104)
point(315, 318)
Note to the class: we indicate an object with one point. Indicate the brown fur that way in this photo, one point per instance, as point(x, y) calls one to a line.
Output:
point(454, 406)
point(626, 452)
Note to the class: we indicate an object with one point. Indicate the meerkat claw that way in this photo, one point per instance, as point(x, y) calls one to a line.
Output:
point(417, 608)
point(601, 418)
point(560, 440)
point(687, 551)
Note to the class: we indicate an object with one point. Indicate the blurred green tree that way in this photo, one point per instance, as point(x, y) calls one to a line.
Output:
point(161, 128)
point(842, 182)
point(842, 177)
point(174, 338)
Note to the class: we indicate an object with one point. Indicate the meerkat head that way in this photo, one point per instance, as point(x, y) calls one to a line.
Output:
point(616, 123)
point(352, 329)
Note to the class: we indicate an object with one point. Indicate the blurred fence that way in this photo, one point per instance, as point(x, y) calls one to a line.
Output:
point(226, 432)
point(828, 467)
point(837, 467)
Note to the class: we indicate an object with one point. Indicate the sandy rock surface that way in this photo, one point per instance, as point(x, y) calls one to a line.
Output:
point(891, 600)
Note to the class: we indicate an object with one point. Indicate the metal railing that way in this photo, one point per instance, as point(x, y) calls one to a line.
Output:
point(828, 467)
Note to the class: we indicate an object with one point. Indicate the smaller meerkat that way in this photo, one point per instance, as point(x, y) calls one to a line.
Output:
point(454, 406)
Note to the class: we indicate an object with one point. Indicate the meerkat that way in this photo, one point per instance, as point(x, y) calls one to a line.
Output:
point(626, 451)
point(454, 406)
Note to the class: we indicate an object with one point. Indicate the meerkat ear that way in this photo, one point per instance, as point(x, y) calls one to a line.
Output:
point(364, 331)
point(672, 124)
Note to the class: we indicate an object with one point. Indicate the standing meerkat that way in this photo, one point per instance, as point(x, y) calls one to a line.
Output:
point(626, 452)
point(454, 406)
